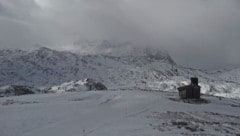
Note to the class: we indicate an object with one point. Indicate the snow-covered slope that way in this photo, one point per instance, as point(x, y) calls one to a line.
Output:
point(46, 67)
point(117, 113)
point(232, 75)
point(78, 85)
point(117, 67)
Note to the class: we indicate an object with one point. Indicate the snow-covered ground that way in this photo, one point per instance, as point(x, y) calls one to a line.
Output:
point(125, 109)
point(116, 113)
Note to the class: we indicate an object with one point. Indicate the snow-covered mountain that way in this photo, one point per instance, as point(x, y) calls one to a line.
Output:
point(44, 67)
point(117, 67)
point(131, 108)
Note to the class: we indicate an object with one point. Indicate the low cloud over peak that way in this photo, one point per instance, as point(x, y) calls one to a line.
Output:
point(197, 33)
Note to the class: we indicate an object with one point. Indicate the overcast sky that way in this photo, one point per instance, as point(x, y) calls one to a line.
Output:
point(197, 33)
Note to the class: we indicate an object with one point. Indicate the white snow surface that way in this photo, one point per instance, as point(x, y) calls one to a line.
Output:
point(79, 85)
point(116, 113)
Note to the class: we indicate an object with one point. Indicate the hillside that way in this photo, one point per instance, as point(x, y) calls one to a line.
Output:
point(122, 67)
point(44, 67)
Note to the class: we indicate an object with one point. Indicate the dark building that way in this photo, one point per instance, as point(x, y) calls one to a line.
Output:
point(191, 91)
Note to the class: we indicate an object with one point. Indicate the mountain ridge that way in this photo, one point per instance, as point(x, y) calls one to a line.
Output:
point(54, 62)
point(143, 68)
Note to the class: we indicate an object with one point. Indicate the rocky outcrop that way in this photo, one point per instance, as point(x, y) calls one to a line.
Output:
point(17, 90)
point(76, 86)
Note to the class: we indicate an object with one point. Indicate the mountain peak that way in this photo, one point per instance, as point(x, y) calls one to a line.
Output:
point(44, 49)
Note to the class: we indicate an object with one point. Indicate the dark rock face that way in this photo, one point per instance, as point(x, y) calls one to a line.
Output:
point(93, 85)
point(16, 90)
point(100, 86)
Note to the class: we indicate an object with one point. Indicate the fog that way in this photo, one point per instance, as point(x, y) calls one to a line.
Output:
point(197, 33)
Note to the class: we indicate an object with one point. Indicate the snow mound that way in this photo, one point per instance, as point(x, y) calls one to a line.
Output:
point(78, 85)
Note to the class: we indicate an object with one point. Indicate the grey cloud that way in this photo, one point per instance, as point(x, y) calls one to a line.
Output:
point(197, 33)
